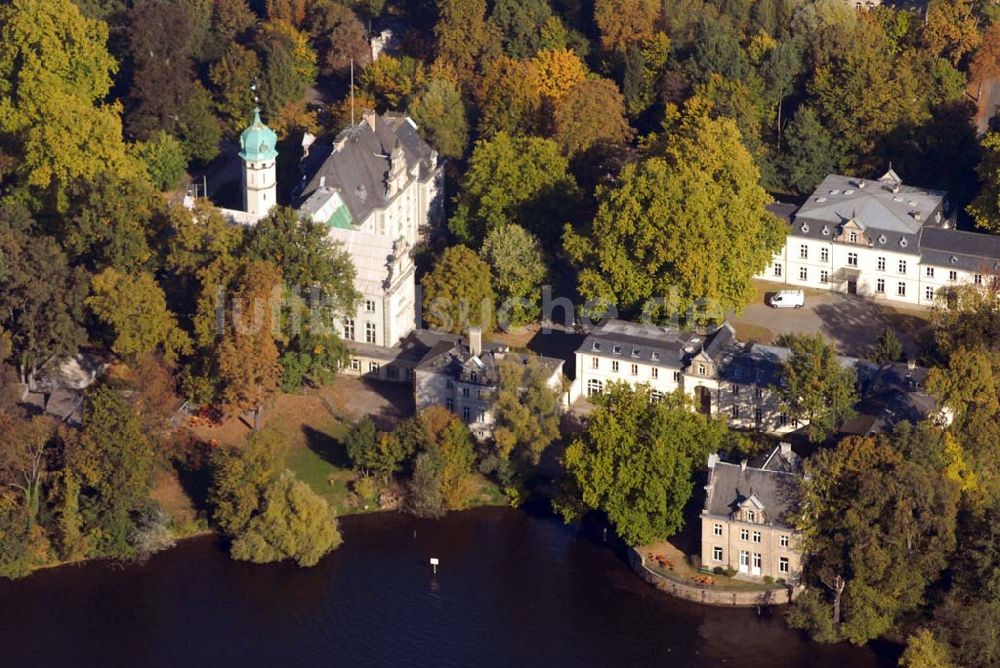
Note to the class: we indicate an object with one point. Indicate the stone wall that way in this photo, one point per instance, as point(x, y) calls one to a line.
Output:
point(733, 598)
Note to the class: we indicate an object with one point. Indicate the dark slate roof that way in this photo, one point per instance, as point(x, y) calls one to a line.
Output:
point(453, 358)
point(358, 168)
point(729, 485)
point(649, 344)
point(969, 251)
point(760, 364)
point(890, 213)
point(783, 210)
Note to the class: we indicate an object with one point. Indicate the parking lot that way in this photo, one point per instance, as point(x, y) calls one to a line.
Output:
point(852, 323)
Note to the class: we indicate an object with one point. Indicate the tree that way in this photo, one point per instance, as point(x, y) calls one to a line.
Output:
point(874, 543)
point(518, 268)
point(527, 409)
point(247, 356)
point(239, 476)
point(463, 38)
point(518, 21)
point(289, 64)
point(448, 443)
point(457, 292)
point(985, 209)
point(635, 460)
point(360, 440)
point(923, 650)
point(505, 103)
point(425, 495)
point(971, 319)
point(338, 36)
point(41, 297)
point(809, 153)
point(113, 461)
point(592, 111)
point(294, 523)
point(985, 63)
point(232, 76)
point(439, 111)
point(687, 225)
point(622, 22)
point(165, 160)
point(55, 73)
point(135, 309)
point(815, 386)
point(555, 72)
point(198, 128)
point(951, 29)
point(23, 465)
point(887, 348)
point(378, 452)
point(513, 179)
point(289, 11)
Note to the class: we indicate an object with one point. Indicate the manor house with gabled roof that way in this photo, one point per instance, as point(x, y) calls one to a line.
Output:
point(880, 239)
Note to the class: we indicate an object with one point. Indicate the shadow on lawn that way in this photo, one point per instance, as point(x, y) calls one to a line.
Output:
point(327, 447)
point(194, 471)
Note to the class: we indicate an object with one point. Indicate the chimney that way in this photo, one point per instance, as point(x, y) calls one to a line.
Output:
point(322, 182)
point(476, 341)
point(369, 117)
point(743, 465)
point(911, 364)
point(786, 448)
point(712, 459)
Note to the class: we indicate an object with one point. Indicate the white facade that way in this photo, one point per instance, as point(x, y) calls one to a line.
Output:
point(260, 187)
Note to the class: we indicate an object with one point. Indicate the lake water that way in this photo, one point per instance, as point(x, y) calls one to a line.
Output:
point(513, 589)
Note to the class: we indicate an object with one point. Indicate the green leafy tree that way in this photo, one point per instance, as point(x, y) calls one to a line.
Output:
point(439, 111)
point(113, 461)
point(293, 523)
point(360, 440)
point(635, 461)
point(687, 225)
point(289, 65)
point(41, 296)
point(985, 209)
point(518, 21)
point(239, 476)
point(815, 386)
point(135, 309)
point(443, 469)
point(809, 154)
point(874, 545)
point(165, 160)
point(232, 77)
point(55, 74)
point(887, 348)
point(23, 466)
point(198, 128)
point(923, 650)
point(457, 293)
point(513, 179)
point(518, 267)
point(527, 408)
point(463, 38)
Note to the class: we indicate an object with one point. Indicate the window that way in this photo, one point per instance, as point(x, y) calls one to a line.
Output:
point(804, 252)
point(736, 412)
point(759, 391)
point(594, 387)
point(978, 279)
point(355, 365)
point(369, 306)
point(349, 329)
point(449, 403)
point(777, 269)
point(654, 372)
point(852, 237)
point(474, 377)
point(952, 275)
point(616, 350)
point(717, 553)
point(824, 254)
point(717, 529)
point(595, 363)
point(783, 540)
point(479, 394)
point(744, 534)
point(677, 376)
point(901, 289)
point(929, 272)
point(881, 263)
point(369, 332)
point(635, 369)
point(736, 390)
point(880, 286)
point(783, 565)
point(902, 266)
point(614, 366)
point(466, 414)
point(373, 367)
point(824, 276)
point(782, 419)
point(465, 391)
point(392, 371)
point(852, 259)
point(756, 536)
point(701, 369)
point(449, 384)
point(751, 516)
point(756, 560)
point(803, 274)
point(744, 560)
point(656, 397)
point(758, 416)
point(481, 416)
point(929, 293)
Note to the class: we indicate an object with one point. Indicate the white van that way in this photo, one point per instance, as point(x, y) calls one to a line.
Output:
point(788, 299)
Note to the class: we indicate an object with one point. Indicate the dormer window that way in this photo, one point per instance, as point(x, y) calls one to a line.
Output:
point(655, 357)
point(474, 377)
point(635, 352)
point(617, 350)
point(597, 346)
point(701, 369)
point(751, 516)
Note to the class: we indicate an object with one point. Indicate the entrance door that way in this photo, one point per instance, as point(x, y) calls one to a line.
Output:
point(703, 399)
point(744, 561)
point(852, 287)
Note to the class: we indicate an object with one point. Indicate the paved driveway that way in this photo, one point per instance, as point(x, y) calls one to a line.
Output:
point(851, 323)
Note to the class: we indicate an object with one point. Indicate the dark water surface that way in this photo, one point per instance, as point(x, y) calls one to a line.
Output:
point(512, 590)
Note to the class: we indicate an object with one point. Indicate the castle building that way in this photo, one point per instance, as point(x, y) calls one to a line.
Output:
point(880, 239)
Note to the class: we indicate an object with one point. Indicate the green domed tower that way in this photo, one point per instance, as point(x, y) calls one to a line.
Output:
point(258, 152)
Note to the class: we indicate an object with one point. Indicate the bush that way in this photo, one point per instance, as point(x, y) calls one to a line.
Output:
point(366, 489)
point(768, 579)
point(165, 160)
